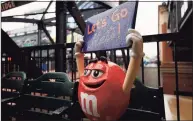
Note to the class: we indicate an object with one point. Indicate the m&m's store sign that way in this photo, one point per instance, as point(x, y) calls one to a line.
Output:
point(12, 4)
point(7, 5)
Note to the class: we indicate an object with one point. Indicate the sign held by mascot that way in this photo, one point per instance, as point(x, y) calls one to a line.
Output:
point(107, 30)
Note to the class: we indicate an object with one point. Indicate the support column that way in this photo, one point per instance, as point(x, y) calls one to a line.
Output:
point(166, 51)
point(60, 54)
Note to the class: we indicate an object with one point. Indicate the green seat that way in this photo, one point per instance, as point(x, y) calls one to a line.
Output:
point(16, 74)
point(58, 76)
point(61, 87)
point(12, 81)
point(147, 98)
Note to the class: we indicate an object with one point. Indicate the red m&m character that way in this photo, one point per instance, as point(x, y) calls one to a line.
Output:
point(104, 88)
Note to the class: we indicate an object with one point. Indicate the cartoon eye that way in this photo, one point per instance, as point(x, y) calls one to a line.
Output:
point(96, 73)
point(86, 72)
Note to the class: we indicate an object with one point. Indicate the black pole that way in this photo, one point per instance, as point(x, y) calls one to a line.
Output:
point(158, 65)
point(60, 53)
point(177, 84)
point(34, 54)
point(39, 34)
point(72, 70)
point(72, 34)
point(114, 56)
point(91, 55)
point(176, 66)
point(48, 61)
point(128, 57)
point(41, 59)
point(101, 53)
point(142, 71)
point(39, 42)
point(125, 61)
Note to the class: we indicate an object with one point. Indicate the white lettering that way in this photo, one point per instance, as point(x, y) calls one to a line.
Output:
point(85, 98)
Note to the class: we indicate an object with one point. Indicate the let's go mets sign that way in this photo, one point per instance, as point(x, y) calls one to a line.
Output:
point(107, 30)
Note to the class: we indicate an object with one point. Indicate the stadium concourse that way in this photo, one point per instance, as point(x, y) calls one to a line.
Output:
point(41, 62)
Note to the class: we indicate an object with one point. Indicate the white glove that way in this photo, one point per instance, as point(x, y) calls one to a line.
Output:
point(135, 39)
point(78, 47)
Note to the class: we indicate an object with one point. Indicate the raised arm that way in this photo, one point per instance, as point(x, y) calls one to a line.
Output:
point(79, 57)
point(136, 53)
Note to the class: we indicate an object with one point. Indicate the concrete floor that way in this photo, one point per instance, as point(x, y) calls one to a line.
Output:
point(185, 107)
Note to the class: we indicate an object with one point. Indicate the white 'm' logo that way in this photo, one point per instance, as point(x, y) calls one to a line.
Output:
point(85, 98)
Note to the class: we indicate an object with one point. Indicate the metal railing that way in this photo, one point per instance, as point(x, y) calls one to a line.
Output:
point(44, 55)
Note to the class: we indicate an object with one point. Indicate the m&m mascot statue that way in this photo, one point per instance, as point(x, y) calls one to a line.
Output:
point(104, 88)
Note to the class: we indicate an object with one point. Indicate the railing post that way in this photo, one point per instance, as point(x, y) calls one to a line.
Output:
point(142, 71)
point(72, 62)
point(48, 61)
point(158, 64)
point(176, 65)
point(177, 84)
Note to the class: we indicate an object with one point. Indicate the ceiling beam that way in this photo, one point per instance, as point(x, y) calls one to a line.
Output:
point(24, 20)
